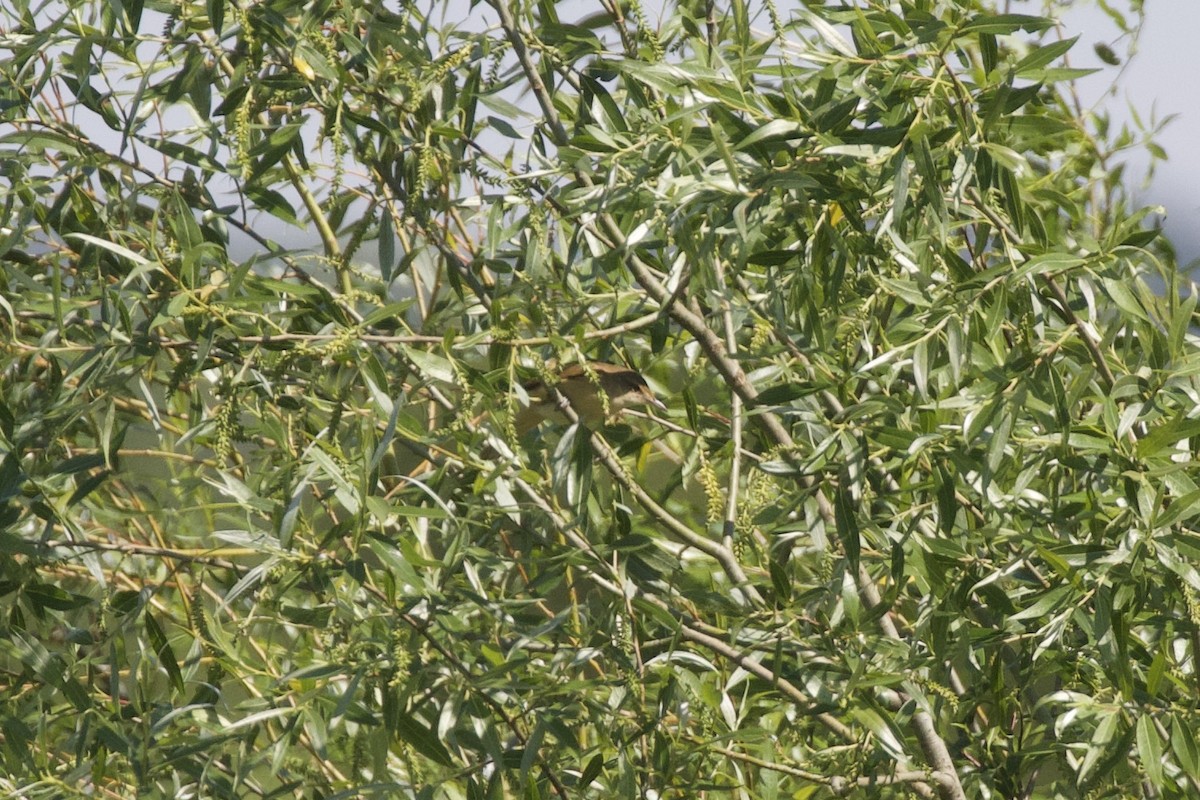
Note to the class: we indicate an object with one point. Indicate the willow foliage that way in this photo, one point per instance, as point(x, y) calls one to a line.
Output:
point(920, 519)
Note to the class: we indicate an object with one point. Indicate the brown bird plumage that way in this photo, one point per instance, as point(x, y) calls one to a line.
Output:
point(624, 387)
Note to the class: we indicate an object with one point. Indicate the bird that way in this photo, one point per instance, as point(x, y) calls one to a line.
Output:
point(579, 383)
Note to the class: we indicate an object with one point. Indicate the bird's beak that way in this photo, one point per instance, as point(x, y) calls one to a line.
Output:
point(652, 400)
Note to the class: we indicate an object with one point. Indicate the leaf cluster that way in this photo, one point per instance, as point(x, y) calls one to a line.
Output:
point(920, 519)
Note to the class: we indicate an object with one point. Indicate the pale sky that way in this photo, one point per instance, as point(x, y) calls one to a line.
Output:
point(1162, 79)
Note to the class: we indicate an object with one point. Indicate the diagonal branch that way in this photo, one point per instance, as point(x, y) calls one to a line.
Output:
point(692, 321)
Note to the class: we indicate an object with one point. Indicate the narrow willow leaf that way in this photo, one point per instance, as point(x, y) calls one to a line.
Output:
point(1098, 747)
point(422, 738)
point(1126, 300)
point(828, 33)
point(1006, 23)
point(1183, 745)
point(1041, 56)
point(162, 649)
point(776, 129)
point(1181, 509)
point(111, 247)
point(387, 246)
point(1150, 750)
point(847, 526)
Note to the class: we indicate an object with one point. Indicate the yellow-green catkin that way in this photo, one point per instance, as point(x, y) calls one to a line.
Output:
point(761, 491)
point(714, 496)
point(776, 22)
point(761, 336)
point(225, 418)
point(622, 639)
point(646, 30)
point(1193, 604)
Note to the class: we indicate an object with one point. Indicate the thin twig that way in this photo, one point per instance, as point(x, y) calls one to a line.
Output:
point(210, 555)
point(916, 778)
point(735, 414)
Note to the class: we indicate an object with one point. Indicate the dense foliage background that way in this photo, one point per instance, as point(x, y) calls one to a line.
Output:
point(921, 519)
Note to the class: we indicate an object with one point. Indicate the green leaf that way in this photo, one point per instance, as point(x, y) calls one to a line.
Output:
point(775, 130)
point(1041, 56)
point(592, 771)
point(271, 148)
point(273, 203)
point(784, 393)
point(1049, 264)
point(162, 649)
point(216, 15)
point(1050, 601)
point(1098, 747)
point(1060, 74)
point(113, 248)
point(186, 154)
point(39, 141)
point(1150, 750)
point(1167, 434)
point(846, 520)
point(772, 258)
point(828, 33)
point(45, 595)
point(87, 486)
point(1106, 54)
point(1126, 300)
point(1183, 745)
point(1180, 509)
point(387, 246)
point(1006, 23)
point(422, 739)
